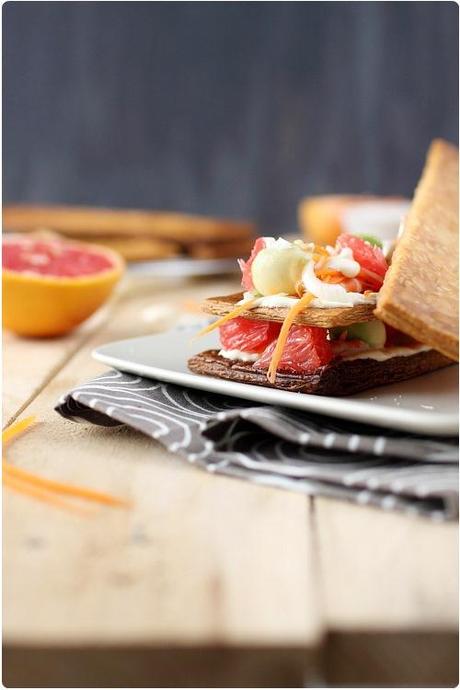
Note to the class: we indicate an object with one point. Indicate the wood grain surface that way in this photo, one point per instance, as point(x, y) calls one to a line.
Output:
point(206, 580)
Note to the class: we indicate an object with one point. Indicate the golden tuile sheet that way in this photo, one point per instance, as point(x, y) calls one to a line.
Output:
point(323, 318)
point(420, 292)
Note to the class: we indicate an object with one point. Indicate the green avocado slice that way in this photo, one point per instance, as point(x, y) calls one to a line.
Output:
point(372, 332)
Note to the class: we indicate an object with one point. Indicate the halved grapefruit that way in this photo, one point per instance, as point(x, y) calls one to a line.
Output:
point(51, 285)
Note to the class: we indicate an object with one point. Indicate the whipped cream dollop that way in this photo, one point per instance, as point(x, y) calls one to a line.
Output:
point(345, 263)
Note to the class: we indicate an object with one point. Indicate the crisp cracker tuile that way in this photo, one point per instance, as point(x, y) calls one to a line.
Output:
point(420, 291)
point(311, 316)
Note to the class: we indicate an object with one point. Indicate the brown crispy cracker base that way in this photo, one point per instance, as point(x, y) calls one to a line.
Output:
point(420, 292)
point(323, 318)
point(340, 377)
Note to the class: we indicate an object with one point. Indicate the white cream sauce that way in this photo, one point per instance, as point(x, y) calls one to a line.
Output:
point(240, 355)
point(283, 300)
point(344, 263)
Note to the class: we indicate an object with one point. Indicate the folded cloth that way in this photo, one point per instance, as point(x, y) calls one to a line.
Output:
point(279, 447)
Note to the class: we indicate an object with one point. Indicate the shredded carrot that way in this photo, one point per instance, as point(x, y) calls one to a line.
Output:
point(227, 317)
point(27, 489)
point(321, 250)
point(325, 273)
point(281, 342)
point(18, 427)
point(59, 487)
point(334, 279)
point(39, 487)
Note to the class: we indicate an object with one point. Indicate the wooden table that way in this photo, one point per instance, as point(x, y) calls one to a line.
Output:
point(207, 580)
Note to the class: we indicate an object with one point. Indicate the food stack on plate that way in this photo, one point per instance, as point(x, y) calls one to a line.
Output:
point(137, 235)
point(344, 318)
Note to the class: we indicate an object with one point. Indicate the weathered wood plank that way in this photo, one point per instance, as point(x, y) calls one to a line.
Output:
point(199, 559)
point(384, 571)
point(158, 667)
point(28, 364)
point(391, 659)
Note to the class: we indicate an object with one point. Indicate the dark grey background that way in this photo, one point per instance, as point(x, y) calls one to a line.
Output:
point(231, 108)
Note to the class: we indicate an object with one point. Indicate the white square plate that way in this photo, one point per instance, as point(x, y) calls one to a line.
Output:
point(427, 404)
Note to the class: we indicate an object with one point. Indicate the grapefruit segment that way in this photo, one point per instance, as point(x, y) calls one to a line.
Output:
point(245, 266)
point(51, 286)
point(306, 349)
point(248, 335)
point(370, 258)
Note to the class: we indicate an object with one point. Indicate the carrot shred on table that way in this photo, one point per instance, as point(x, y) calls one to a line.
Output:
point(62, 488)
point(17, 428)
point(28, 489)
point(43, 488)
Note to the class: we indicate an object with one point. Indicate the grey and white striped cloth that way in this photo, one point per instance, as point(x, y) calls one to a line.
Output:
point(278, 447)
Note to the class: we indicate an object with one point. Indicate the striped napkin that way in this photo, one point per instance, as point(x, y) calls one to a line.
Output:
point(279, 447)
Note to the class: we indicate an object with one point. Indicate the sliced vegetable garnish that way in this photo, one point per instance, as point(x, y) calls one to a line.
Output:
point(280, 343)
point(372, 240)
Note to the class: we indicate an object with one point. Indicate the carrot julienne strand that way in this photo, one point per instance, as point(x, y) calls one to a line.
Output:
point(28, 489)
point(45, 489)
point(227, 317)
point(281, 342)
point(331, 277)
point(321, 250)
point(17, 428)
point(60, 487)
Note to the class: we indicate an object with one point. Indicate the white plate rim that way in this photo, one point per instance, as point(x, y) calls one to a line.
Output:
point(400, 419)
